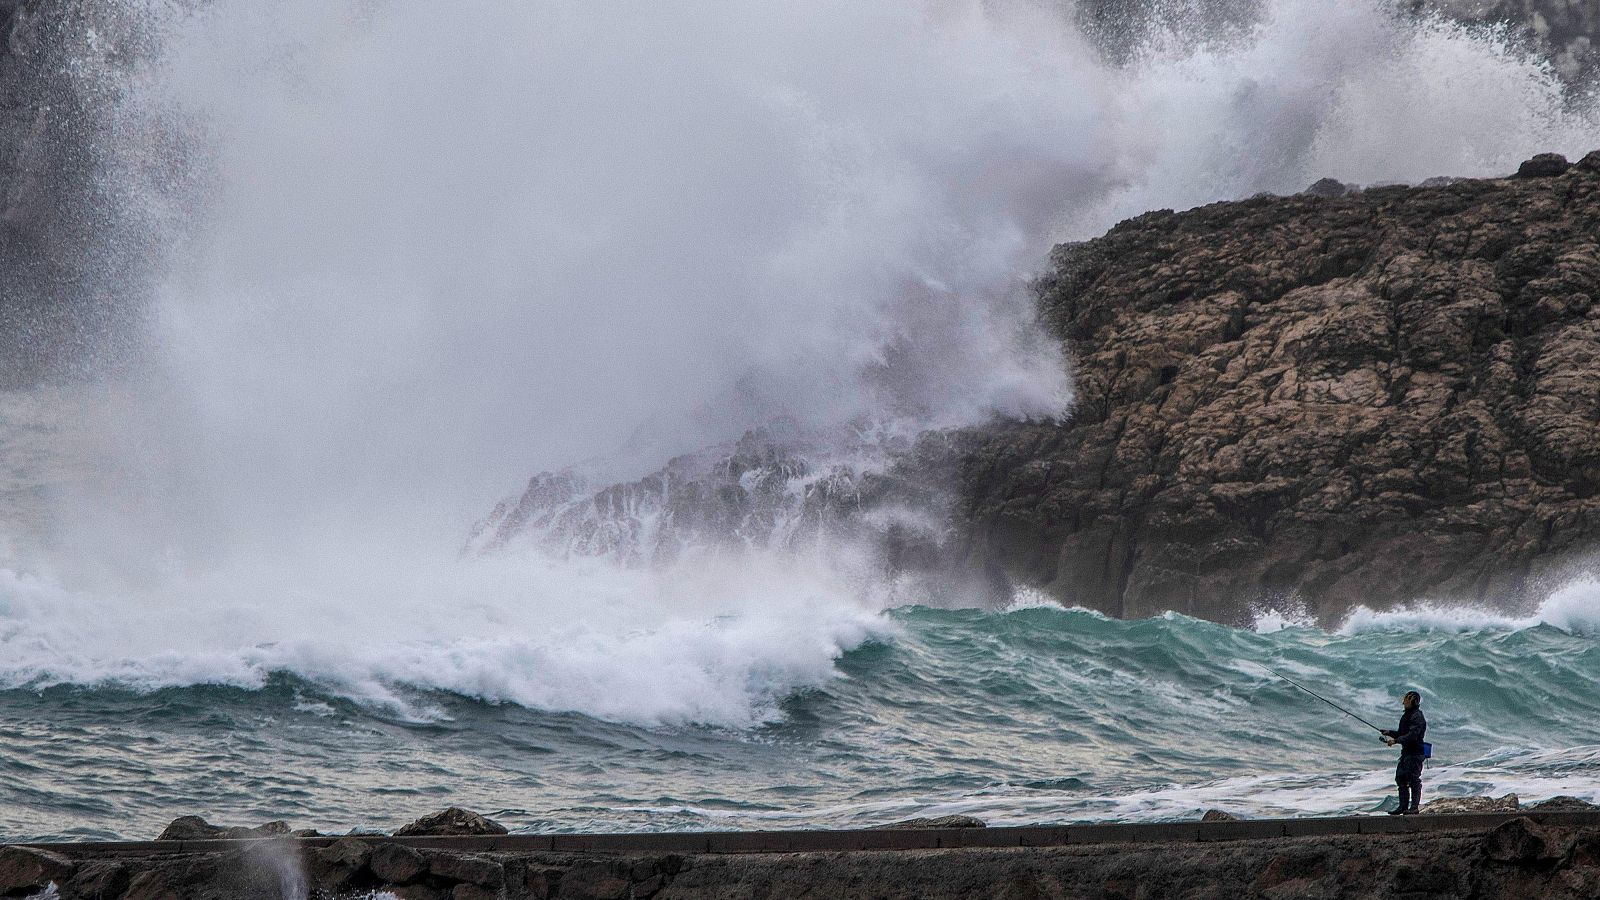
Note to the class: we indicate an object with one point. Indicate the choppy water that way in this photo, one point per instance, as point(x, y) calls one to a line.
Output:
point(1034, 715)
point(402, 260)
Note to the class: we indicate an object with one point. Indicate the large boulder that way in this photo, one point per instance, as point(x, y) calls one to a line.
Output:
point(397, 864)
point(454, 820)
point(1544, 165)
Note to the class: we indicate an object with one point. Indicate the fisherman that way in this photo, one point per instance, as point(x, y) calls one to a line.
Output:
point(1408, 774)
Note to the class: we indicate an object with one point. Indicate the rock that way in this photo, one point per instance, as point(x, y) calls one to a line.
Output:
point(471, 869)
point(22, 868)
point(1361, 402)
point(194, 828)
point(1507, 803)
point(542, 882)
point(1291, 868)
point(454, 820)
point(335, 866)
point(1330, 187)
point(936, 822)
point(99, 880)
point(649, 886)
point(1564, 803)
point(417, 892)
point(190, 828)
point(1520, 841)
point(1590, 162)
point(1544, 165)
point(396, 863)
point(595, 881)
point(1217, 815)
point(473, 892)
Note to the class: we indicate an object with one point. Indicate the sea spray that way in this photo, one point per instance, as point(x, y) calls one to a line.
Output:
point(410, 257)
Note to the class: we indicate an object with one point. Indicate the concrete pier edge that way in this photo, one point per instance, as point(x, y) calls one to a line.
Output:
point(811, 841)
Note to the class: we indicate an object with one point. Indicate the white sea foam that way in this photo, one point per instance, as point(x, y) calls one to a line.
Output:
point(418, 254)
point(1574, 608)
point(647, 648)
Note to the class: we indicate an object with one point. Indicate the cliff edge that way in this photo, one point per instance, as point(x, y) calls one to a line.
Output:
point(1338, 397)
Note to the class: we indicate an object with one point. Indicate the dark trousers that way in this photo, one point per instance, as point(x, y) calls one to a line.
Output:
point(1408, 775)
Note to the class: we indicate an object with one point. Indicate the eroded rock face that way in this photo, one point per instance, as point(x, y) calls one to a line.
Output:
point(1369, 398)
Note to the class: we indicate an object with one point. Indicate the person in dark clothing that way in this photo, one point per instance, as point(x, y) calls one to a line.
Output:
point(1408, 774)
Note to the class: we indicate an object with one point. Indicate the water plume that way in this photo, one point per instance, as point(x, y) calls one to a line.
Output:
point(410, 255)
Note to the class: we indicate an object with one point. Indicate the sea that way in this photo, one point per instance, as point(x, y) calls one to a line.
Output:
point(355, 270)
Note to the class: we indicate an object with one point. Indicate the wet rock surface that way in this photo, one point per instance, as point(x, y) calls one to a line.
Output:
point(1367, 398)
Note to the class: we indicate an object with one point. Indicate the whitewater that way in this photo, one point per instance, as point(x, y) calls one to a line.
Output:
point(400, 259)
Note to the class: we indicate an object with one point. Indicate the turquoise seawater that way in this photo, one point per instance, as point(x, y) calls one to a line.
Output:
point(1035, 715)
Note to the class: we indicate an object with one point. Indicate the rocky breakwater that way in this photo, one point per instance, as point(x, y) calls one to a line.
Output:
point(1341, 397)
point(457, 855)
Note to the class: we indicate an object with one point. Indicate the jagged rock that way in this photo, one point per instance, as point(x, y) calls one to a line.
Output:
point(1369, 399)
point(471, 869)
point(397, 863)
point(22, 868)
point(1506, 803)
point(454, 820)
point(1217, 815)
point(1544, 165)
point(1521, 841)
point(1330, 187)
point(100, 880)
point(936, 822)
point(1564, 803)
point(1590, 162)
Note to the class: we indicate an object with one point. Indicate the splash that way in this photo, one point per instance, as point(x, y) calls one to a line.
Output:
point(408, 256)
point(1573, 608)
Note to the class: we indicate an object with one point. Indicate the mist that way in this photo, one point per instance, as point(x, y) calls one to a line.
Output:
point(411, 254)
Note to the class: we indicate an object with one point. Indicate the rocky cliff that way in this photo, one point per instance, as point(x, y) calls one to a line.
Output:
point(1362, 398)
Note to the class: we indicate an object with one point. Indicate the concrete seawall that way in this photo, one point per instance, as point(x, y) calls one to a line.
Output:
point(1551, 854)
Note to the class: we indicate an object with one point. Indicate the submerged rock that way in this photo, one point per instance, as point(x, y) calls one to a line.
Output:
point(454, 820)
point(1506, 803)
point(937, 822)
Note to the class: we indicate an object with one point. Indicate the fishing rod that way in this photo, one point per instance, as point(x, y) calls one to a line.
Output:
point(1323, 699)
